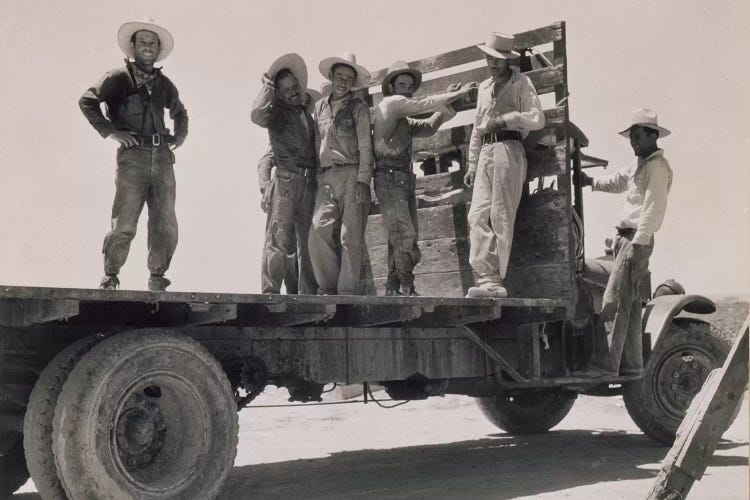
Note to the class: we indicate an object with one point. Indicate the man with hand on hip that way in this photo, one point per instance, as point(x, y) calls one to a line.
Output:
point(136, 96)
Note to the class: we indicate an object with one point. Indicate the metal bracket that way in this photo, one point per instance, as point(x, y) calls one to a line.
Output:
point(493, 354)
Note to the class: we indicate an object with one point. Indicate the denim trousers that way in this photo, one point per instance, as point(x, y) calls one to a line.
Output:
point(395, 190)
point(145, 175)
point(619, 347)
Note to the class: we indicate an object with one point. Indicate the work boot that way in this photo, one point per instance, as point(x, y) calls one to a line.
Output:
point(409, 291)
point(109, 282)
point(158, 283)
point(487, 291)
point(392, 292)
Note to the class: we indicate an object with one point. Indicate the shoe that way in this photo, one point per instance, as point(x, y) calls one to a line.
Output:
point(109, 282)
point(391, 292)
point(491, 291)
point(158, 283)
point(408, 291)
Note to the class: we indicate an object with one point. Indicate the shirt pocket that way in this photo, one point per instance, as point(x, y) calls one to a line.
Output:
point(344, 126)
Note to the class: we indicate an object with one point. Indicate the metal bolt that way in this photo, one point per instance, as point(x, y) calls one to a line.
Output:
point(678, 397)
point(704, 371)
point(675, 374)
point(674, 386)
point(694, 365)
point(683, 366)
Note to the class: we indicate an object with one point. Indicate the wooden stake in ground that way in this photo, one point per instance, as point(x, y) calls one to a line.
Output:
point(708, 417)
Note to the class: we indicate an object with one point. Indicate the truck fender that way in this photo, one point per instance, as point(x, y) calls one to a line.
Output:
point(659, 312)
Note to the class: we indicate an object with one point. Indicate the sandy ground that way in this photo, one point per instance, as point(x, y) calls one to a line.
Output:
point(444, 448)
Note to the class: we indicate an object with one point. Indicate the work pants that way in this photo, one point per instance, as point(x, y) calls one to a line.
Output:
point(618, 347)
point(291, 277)
point(287, 231)
point(338, 231)
point(144, 175)
point(498, 186)
point(395, 190)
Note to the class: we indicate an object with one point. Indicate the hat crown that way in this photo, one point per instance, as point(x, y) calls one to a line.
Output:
point(349, 56)
point(398, 66)
point(645, 115)
point(500, 42)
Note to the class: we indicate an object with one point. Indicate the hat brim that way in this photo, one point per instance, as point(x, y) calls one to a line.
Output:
point(363, 76)
point(663, 132)
point(294, 63)
point(510, 54)
point(416, 74)
point(126, 31)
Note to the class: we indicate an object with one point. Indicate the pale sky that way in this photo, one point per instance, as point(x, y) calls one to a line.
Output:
point(685, 59)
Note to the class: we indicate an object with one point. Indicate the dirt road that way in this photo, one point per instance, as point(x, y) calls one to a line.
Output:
point(444, 448)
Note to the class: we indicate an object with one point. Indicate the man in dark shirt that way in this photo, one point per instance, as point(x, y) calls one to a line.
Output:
point(135, 97)
point(281, 108)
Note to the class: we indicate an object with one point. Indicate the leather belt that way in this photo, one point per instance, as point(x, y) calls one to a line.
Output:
point(305, 172)
point(155, 140)
point(501, 136)
point(386, 164)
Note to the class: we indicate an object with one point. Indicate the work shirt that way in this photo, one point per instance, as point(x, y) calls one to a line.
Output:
point(647, 182)
point(393, 129)
point(265, 167)
point(134, 107)
point(343, 139)
point(515, 101)
point(290, 129)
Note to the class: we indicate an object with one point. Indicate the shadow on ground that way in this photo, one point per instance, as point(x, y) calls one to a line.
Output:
point(497, 467)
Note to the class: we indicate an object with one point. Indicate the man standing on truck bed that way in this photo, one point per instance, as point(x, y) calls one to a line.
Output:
point(647, 182)
point(281, 108)
point(343, 199)
point(395, 183)
point(136, 96)
point(507, 109)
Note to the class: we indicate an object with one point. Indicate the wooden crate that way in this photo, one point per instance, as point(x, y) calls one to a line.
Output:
point(543, 262)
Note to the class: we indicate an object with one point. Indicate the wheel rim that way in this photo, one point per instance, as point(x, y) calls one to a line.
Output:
point(160, 433)
point(680, 376)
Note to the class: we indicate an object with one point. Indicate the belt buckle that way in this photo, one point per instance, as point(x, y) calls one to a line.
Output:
point(155, 140)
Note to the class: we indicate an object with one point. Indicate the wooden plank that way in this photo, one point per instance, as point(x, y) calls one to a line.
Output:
point(544, 80)
point(471, 53)
point(373, 315)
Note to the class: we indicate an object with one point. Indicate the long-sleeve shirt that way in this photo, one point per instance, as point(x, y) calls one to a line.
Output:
point(291, 129)
point(516, 102)
point(647, 183)
point(265, 167)
point(344, 138)
point(393, 129)
point(134, 107)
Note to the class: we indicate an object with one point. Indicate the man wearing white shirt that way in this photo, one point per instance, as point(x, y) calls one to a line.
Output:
point(647, 183)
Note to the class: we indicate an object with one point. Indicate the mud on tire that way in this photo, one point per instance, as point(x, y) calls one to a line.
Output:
point(37, 425)
point(147, 414)
point(527, 412)
point(674, 373)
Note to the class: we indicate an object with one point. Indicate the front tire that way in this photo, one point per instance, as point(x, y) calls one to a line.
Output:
point(527, 412)
point(674, 374)
point(147, 414)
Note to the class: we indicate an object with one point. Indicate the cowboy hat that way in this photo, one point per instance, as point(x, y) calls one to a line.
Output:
point(348, 59)
point(400, 68)
point(499, 46)
point(127, 30)
point(294, 63)
point(645, 117)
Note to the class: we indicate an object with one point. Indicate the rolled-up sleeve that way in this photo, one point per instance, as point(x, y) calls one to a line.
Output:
point(531, 115)
point(364, 142)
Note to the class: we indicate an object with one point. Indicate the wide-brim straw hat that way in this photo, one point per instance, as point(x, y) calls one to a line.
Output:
point(126, 31)
point(645, 117)
point(294, 63)
point(499, 46)
point(400, 68)
point(349, 59)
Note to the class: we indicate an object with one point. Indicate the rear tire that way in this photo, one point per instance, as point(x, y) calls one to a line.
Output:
point(527, 412)
point(674, 374)
point(147, 414)
point(13, 471)
point(37, 425)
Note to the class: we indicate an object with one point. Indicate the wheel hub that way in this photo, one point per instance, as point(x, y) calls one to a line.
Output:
point(680, 378)
point(140, 432)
